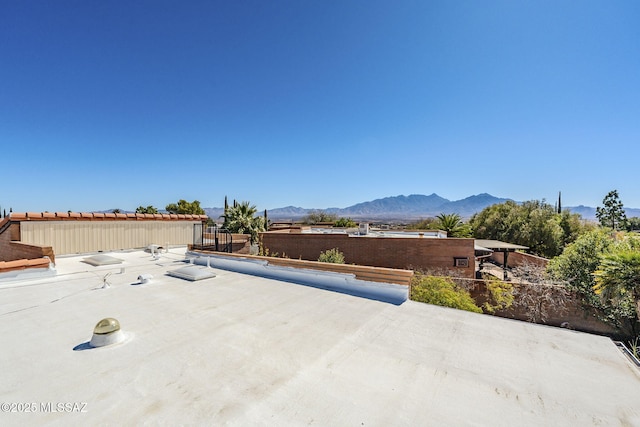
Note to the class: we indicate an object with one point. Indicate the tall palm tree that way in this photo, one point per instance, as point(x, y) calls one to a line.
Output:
point(241, 218)
point(453, 225)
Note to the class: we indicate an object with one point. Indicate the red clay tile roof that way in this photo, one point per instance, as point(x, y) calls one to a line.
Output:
point(22, 264)
point(89, 216)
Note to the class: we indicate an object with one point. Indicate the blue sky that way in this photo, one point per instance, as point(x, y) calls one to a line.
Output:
point(317, 104)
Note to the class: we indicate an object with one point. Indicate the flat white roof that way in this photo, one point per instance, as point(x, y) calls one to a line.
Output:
point(245, 350)
point(354, 232)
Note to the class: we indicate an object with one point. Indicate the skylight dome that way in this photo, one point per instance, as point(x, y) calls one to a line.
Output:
point(102, 259)
point(192, 273)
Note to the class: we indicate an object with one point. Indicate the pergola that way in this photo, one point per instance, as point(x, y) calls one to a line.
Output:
point(498, 246)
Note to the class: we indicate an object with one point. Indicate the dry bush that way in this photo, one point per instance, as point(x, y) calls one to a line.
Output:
point(537, 294)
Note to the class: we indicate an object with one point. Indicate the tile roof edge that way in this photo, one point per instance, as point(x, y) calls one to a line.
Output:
point(101, 216)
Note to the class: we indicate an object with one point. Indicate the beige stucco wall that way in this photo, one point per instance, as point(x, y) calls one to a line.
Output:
point(69, 237)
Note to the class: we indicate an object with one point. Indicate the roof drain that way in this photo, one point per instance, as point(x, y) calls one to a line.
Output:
point(107, 332)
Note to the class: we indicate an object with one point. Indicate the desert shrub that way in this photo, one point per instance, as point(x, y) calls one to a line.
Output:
point(345, 223)
point(424, 224)
point(500, 296)
point(332, 255)
point(319, 216)
point(538, 293)
point(441, 291)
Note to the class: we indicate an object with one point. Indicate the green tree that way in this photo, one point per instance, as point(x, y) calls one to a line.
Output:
point(577, 263)
point(453, 225)
point(541, 229)
point(319, 216)
point(577, 267)
point(573, 226)
point(618, 280)
point(441, 291)
point(148, 210)
point(184, 207)
point(345, 223)
point(501, 221)
point(424, 224)
point(332, 255)
point(241, 218)
point(612, 214)
point(534, 224)
point(559, 204)
point(633, 224)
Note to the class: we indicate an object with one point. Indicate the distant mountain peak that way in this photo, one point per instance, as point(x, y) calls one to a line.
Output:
point(401, 207)
point(409, 208)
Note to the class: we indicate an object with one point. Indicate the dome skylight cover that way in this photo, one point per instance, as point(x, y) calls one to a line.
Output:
point(102, 259)
point(192, 273)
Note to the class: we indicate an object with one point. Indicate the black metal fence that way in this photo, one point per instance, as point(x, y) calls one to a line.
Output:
point(212, 238)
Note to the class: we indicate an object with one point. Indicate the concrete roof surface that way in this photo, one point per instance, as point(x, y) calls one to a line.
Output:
point(244, 350)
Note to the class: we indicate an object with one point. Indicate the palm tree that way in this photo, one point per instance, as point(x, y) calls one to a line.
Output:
point(240, 218)
point(618, 278)
point(453, 225)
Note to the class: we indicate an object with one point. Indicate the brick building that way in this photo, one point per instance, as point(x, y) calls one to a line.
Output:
point(415, 250)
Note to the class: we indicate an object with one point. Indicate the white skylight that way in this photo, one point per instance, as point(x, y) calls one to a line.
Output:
point(192, 273)
point(102, 259)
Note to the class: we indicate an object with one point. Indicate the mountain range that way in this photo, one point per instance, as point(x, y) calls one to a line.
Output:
point(412, 207)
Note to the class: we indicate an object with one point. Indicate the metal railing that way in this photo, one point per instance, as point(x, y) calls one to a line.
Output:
point(212, 238)
point(630, 354)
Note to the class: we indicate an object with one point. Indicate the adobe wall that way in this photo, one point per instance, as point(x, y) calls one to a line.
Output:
point(5, 240)
point(11, 249)
point(574, 314)
point(9, 230)
point(391, 252)
point(19, 250)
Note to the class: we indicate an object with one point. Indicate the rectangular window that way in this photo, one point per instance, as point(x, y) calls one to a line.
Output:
point(461, 262)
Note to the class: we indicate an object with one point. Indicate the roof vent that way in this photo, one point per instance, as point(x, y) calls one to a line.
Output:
point(144, 278)
point(106, 332)
point(155, 251)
